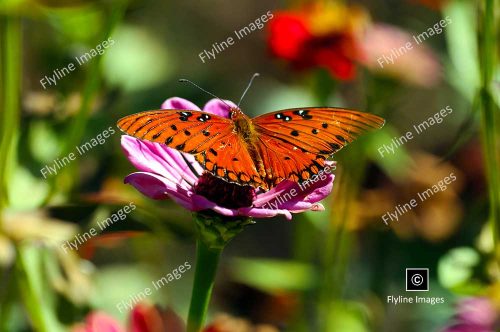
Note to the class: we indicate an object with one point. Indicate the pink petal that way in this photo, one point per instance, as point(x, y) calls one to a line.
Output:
point(203, 203)
point(418, 65)
point(217, 107)
point(290, 196)
point(98, 322)
point(158, 187)
point(264, 213)
point(177, 103)
point(156, 158)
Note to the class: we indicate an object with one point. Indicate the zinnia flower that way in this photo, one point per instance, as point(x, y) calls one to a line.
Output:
point(475, 314)
point(167, 173)
point(320, 35)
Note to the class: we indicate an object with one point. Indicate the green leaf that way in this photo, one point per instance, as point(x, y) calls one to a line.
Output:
point(137, 60)
point(393, 164)
point(270, 275)
point(347, 316)
point(463, 72)
point(38, 296)
point(456, 267)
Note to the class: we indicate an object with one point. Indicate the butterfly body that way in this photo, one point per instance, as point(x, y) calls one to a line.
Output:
point(291, 144)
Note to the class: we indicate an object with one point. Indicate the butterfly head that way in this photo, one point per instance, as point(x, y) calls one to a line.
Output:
point(235, 113)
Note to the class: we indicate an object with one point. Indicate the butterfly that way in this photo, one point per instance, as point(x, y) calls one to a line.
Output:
point(290, 144)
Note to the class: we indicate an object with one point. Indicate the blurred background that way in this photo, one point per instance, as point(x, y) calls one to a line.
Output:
point(323, 271)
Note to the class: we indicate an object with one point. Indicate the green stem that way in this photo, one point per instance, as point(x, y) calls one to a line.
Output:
point(33, 289)
point(487, 55)
point(10, 67)
point(207, 261)
point(338, 238)
point(214, 233)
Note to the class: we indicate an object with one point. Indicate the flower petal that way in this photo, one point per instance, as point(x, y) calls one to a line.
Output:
point(290, 196)
point(156, 158)
point(264, 213)
point(145, 318)
point(202, 203)
point(217, 107)
point(98, 322)
point(178, 103)
point(288, 33)
point(419, 66)
point(158, 187)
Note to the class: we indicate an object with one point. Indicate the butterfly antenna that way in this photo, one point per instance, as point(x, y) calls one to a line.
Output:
point(183, 80)
point(248, 87)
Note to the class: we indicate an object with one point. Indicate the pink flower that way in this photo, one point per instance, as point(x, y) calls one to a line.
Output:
point(167, 173)
point(475, 314)
point(416, 64)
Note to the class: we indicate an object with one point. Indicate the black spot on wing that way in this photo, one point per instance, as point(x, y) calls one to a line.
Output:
point(203, 118)
point(341, 138)
point(335, 146)
point(304, 114)
point(185, 116)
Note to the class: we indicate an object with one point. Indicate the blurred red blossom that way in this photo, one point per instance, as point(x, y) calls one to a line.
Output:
point(143, 318)
point(338, 38)
point(319, 35)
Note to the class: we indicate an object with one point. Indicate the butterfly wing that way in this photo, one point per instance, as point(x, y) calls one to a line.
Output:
point(210, 138)
point(295, 143)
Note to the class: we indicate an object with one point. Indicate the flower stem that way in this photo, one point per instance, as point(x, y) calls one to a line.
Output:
point(207, 261)
point(488, 109)
point(35, 293)
point(10, 82)
point(214, 233)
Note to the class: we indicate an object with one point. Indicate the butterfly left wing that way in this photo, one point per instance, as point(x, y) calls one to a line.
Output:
point(295, 143)
point(184, 130)
point(210, 138)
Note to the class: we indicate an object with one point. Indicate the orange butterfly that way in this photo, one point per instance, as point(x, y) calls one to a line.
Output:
point(261, 152)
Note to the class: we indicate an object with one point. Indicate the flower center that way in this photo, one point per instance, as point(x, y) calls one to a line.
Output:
point(225, 194)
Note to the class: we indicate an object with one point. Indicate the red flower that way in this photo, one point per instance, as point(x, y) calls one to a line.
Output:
point(288, 35)
point(143, 318)
point(324, 36)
